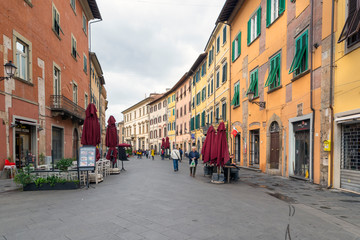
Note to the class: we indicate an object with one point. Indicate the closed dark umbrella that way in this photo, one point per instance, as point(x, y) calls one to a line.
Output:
point(91, 129)
point(167, 143)
point(111, 139)
point(223, 155)
point(163, 143)
point(208, 144)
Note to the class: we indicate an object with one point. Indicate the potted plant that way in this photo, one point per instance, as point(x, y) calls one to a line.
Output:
point(64, 164)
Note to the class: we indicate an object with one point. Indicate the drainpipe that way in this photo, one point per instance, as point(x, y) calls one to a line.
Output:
point(331, 96)
point(101, 142)
point(311, 90)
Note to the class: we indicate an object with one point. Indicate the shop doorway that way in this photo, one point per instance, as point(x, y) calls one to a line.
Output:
point(23, 145)
point(255, 147)
point(302, 149)
point(274, 145)
point(238, 148)
point(57, 143)
point(75, 144)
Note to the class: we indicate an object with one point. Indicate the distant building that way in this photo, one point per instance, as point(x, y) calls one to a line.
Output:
point(136, 123)
point(121, 132)
point(157, 122)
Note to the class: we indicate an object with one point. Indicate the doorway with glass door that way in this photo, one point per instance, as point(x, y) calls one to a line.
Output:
point(301, 165)
point(254, 148)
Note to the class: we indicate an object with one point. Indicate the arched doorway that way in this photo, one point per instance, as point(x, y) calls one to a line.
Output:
point(75, 144)
point(274, 145)
point(238, 148)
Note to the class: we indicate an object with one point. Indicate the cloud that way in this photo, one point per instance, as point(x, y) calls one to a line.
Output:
point(146, 46)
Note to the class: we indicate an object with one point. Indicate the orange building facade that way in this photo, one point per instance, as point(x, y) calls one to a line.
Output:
point(277, 73)
point(42, 107)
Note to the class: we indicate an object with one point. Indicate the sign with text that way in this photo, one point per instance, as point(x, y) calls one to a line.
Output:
point(87, 158)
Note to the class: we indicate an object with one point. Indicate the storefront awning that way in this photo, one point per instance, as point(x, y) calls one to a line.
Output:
point(351, 118)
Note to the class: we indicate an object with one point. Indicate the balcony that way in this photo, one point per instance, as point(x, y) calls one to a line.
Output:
point(62, 106)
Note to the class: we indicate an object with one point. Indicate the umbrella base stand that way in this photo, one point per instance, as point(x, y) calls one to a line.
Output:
point(217, 178)
point(122, 166)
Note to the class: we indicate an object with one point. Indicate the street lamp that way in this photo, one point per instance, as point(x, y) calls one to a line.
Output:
point(251, 98)
point(10, 69)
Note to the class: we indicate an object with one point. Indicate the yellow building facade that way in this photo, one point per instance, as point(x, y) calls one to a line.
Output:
point(276, 76)
point(171, 132)
point(346, 97)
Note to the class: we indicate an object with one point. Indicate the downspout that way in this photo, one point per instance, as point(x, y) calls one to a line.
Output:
point(311, 91)
point(331, 96)
point(101, 142)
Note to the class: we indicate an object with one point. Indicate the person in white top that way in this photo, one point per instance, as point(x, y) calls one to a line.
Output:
point(175, 155)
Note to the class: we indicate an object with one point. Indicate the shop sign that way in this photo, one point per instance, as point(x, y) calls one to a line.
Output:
point(87, 158)
point(302, 125)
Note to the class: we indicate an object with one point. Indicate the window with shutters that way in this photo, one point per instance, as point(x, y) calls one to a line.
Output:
point(236, 47)
point(73, 5)
point(198, 99)
point(184, 109)
point(217, 114)
point(192, 125)
point(211, 55)
point(74, 52)
point(300, 61)
point(84, 23)
point(211, 117)
point(212, 86)
point(56, 21)
point(224, 72)
point(224, 35)
point(254, 26)
point(274, 78)
point(218, 44)
point(75, 93)
point(23, 58)
point(223, 111)
point(253, 85)
point(208, 88)
point(197, 121)
point(203, 119)
point(85, 64)
point(274, 8)
point(236, 99)
point(203, 69)
point(351, 29)
point(203, 94)
point(217, 78)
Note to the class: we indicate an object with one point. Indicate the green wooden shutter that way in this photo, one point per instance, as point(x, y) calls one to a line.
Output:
point(256, 84)
point(233, 51)
point(239, 44)
point(268, 13)
point(281, 6)
point(258, 21)
point(249, 32)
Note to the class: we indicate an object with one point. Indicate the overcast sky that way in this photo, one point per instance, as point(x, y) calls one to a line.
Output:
point(146, 46)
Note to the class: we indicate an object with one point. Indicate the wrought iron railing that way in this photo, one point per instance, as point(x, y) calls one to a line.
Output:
point(61, 103)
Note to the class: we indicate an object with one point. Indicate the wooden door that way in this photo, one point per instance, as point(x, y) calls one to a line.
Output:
point(274, 150)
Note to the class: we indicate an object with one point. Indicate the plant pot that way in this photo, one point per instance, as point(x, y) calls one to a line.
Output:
point(46, 186)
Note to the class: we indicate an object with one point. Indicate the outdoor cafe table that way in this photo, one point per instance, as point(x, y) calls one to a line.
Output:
point(229, 167)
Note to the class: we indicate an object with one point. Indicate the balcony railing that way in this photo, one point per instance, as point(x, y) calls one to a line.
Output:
point(67, 108)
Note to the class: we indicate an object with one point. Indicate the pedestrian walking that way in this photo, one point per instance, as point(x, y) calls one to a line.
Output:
point(152, 154)
point(162, 154)
point(193, 161)
point(147, 153)
point(181, 153)
point(175, 156)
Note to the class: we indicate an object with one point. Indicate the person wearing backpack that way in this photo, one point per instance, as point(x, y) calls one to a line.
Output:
point(193, 160)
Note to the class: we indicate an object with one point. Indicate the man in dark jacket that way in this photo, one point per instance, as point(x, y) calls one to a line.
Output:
point(193, 155)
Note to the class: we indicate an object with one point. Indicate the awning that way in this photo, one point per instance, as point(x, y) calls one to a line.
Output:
point(351, 118)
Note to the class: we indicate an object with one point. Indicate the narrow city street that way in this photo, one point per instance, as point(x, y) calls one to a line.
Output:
point(151, 201)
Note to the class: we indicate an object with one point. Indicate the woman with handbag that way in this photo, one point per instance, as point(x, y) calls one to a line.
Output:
point(193, 161)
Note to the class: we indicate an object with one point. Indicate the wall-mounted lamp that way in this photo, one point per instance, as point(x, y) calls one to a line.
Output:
point(251, 98)
point(10, 70)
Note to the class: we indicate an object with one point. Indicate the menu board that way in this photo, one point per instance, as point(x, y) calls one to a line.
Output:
point(87, 158)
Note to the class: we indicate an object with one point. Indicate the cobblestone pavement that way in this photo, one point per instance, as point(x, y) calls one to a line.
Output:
point(151, 201)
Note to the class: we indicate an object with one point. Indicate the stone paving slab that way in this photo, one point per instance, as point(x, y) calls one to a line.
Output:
point(150, 201)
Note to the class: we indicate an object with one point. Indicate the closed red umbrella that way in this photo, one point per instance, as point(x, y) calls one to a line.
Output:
point(111, 139)
point(91, 129)
point(214, 150)
point(124, 145)
point(167, 143)
point(163, 143)
point(208, 144)
point(223, 155)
